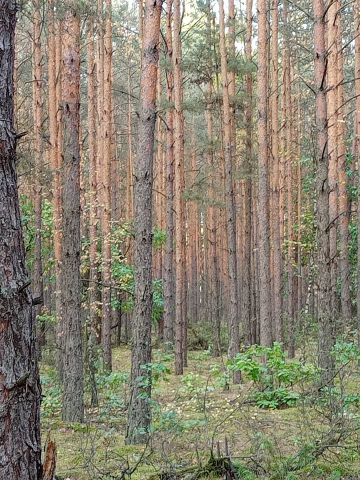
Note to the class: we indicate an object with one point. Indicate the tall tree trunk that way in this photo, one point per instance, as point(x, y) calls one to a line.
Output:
point(344, 207)
point(357, 143)
point(193, 240)
point(106, 180)
point(331, 98)
point(73, 403)
point(263, 192)
point(169, 287)
point(234, 342)
point(179, 204)
point(247, 281)
point(93, 238)
point(20, 451)
point(37, 277)
point(139, 415)
point(213, 264)
point(54, 80)
point(325, 313)
point(275, 217)
point(288, 172)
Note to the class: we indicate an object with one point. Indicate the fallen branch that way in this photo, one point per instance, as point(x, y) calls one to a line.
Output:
point(221, 467)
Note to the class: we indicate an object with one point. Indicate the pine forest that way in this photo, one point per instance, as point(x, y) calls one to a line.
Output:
point(179, 239)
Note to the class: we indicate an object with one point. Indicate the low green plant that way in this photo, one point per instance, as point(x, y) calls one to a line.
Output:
point(276, 398)
point(273, 374)
point(52, 396)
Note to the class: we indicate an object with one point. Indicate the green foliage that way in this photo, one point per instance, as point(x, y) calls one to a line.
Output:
point(52, 396)
point(112, 389)
point(155, 373)
point(123, 273)
point(159, 237)
point(273, 374)
point(112, 381)
point(276, 398)
point(158, 300)
point(28, 223)
point(221, 375)
point(346, 352)
point(46, 319)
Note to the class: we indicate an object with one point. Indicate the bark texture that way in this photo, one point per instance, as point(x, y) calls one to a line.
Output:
point(106, 181)
point(263, 188)
point(73, 403)
point(179, 202)
point(234, 342)
point(20, 448)
point(325, 314)
point(169, 285)
point(139, 415)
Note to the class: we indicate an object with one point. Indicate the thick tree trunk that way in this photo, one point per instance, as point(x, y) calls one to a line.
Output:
point(263, 189)
point(139, 415)
point(325, 313)
point(20, 449)
point(73, 404)
point(234, 341)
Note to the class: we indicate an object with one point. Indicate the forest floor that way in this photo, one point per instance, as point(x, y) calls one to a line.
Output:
point(192, 416)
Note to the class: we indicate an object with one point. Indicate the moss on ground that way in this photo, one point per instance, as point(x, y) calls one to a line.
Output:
point(193, 415)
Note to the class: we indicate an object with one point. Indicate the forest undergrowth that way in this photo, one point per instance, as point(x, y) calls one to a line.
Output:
point(279, 423)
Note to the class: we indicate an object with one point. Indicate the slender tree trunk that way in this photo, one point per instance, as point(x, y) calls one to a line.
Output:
point(129, 179)
point(93, 238)
point(325, 313)
point(193, 248)
point(179, 204)
point(106, 180)
point(275, 223)
point(73, 403)
point(357, 143)
point(169, 287)
point(20, 451)
point(54, 80)
point(331, 98)
point(247, 281)
point(37, 277)
point(289, 182)
point(344, 207)
point(213, 264)
point(263, 194)
point(139, 415)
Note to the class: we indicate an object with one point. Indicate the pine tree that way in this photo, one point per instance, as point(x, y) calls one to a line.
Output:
point(139, 414)
point(73, 403)
point(20, 451)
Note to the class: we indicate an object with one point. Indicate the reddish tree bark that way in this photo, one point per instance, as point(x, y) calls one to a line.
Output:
point(139, 414)
point(263, 188)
